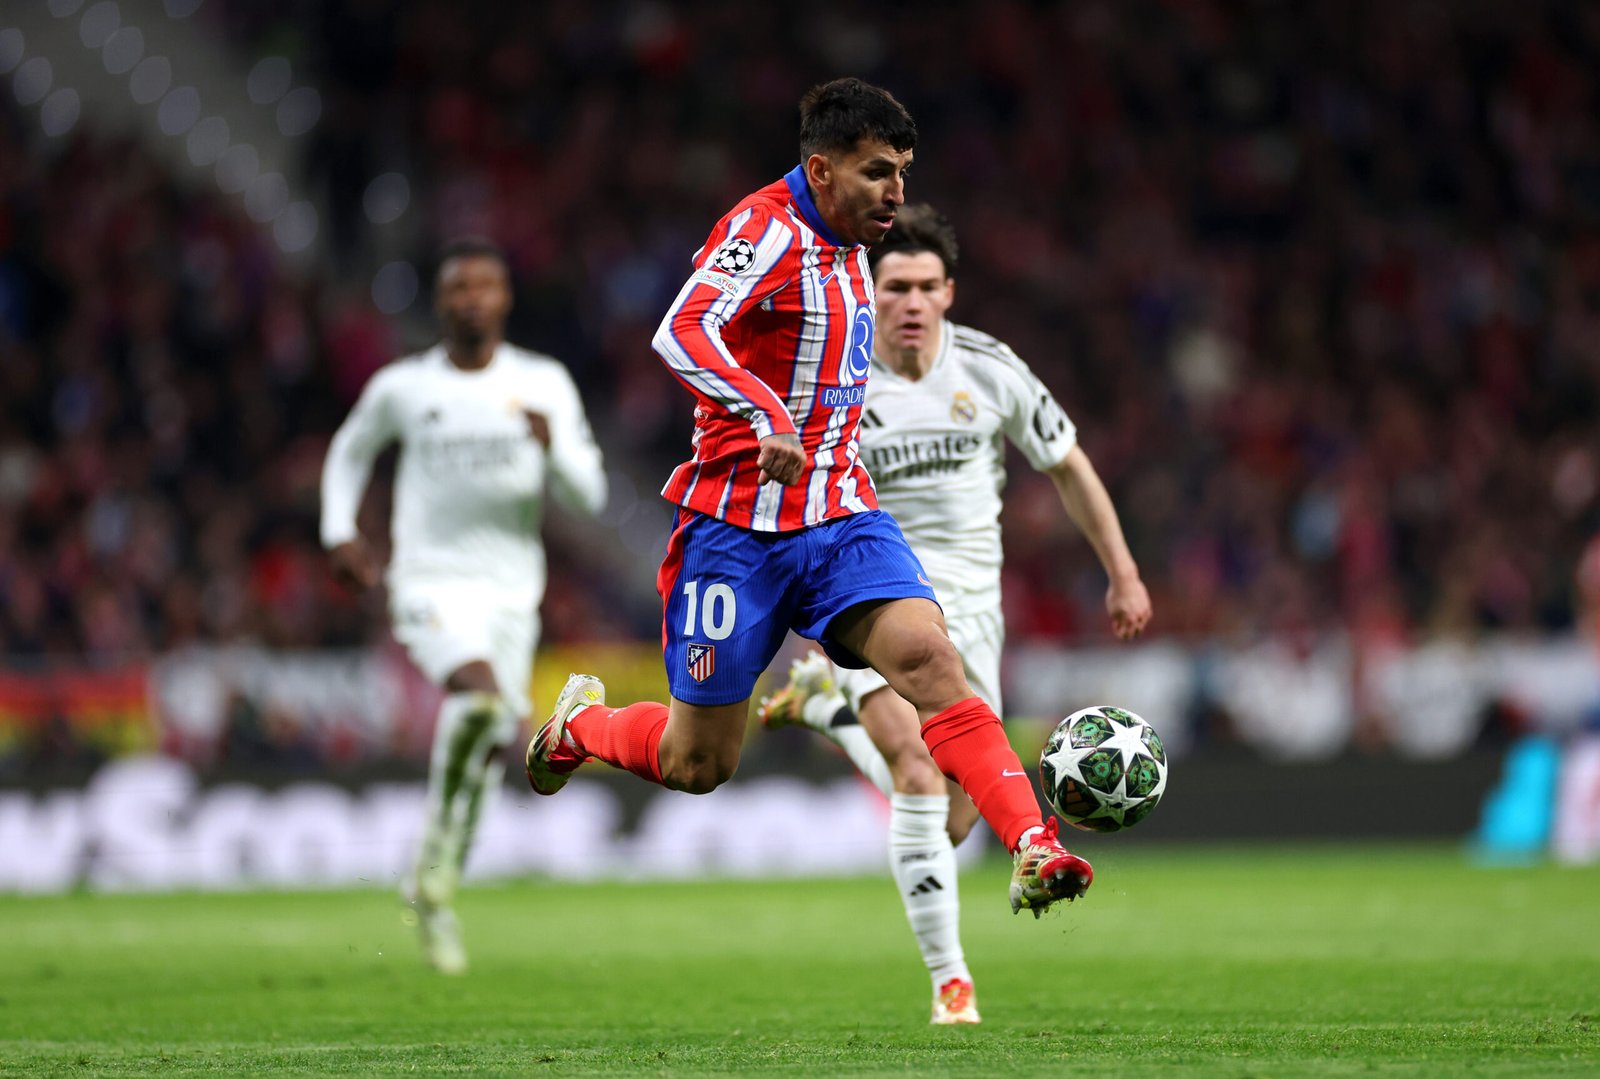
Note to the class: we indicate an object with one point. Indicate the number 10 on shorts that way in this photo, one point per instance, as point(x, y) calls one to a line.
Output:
point(716, 615)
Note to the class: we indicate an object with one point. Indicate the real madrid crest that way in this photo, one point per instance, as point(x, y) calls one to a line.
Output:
point(963, 409)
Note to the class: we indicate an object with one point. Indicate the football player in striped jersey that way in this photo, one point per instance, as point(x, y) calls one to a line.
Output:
point(944, 401)
point(778, 526)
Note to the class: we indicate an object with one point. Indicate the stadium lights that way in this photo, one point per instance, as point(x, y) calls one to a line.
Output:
point(394, 287)
point(12, 46)
point(299, 111)
point(236, 168)
point(178, 111)
point(268, 80)
point(207, 141)
point(296, 228)
point(151, 79)
point(386, 198)
point(99, 23)
point(32, 80)
point(266, 197)
point(59, 113)
point(122, 50)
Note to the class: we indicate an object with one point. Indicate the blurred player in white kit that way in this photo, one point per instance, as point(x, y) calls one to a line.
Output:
point(484, 428)
point(941, 403)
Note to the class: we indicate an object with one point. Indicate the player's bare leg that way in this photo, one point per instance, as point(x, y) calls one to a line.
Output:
point(880, 743)
point(701, 745)
point(906, 642)
point(963, 814)
point(813, 698)
point(473, 725)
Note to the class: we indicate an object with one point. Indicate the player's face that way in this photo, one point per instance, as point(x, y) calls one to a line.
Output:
point(913, 295)
point(858, 192)
point(474, 298)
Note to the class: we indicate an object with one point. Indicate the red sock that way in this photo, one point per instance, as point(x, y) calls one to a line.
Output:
point(629, 738)
point(969, 745)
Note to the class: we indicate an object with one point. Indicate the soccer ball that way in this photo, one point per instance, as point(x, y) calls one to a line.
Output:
point(1103, 769)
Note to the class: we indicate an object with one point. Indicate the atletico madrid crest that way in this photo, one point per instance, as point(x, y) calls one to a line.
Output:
point(702, 661)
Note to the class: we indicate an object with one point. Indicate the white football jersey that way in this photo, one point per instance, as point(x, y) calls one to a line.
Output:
point(470, 484)
point(936, 450)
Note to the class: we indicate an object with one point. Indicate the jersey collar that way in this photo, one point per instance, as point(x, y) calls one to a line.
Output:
point(800, 191)
point(448, 365)
point(946, 335)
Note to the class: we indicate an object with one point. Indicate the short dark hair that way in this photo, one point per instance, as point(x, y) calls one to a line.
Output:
point(836, 115)
point(918, 227)
point(470, 247)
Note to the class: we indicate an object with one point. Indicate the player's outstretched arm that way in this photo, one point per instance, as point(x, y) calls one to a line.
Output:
point(345, 471)
point(1089, 505)
point(731, 277)
point(577, 470)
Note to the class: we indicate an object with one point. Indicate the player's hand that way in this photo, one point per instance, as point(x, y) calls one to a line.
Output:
point(354, 564)
point(1128, 604)
point(782, 459)
point(538, 426)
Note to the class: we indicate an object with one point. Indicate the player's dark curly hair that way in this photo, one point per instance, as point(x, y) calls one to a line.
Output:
point(835, 115)
point(918, 227)
point(470, 247)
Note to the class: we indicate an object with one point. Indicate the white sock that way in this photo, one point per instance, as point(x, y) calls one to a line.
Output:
point(924, 866)
point(863, 753)
point(460, 771)
point(853, 738)
point(820, 709)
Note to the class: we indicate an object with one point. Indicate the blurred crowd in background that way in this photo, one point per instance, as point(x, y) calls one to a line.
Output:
point(1320, 285)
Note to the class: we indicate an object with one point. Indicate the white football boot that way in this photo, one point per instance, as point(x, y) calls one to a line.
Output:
point(552, 756)
point(809, 675)
point(437, 927)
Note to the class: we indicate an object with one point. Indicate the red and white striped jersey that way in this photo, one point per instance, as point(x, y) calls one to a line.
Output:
point(772, 333)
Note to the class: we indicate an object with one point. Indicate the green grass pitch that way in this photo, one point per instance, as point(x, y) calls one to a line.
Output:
point(1234, 962)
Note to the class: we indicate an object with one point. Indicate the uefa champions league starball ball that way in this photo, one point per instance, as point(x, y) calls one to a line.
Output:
point(1103, 769)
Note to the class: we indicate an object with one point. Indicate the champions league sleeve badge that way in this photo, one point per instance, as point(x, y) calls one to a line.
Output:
point(734, 257)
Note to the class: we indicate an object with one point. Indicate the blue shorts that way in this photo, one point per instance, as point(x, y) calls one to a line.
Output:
point(730, 595)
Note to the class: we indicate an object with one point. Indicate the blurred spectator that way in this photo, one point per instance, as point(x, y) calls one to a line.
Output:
point(262, 738)
point(57, 750)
